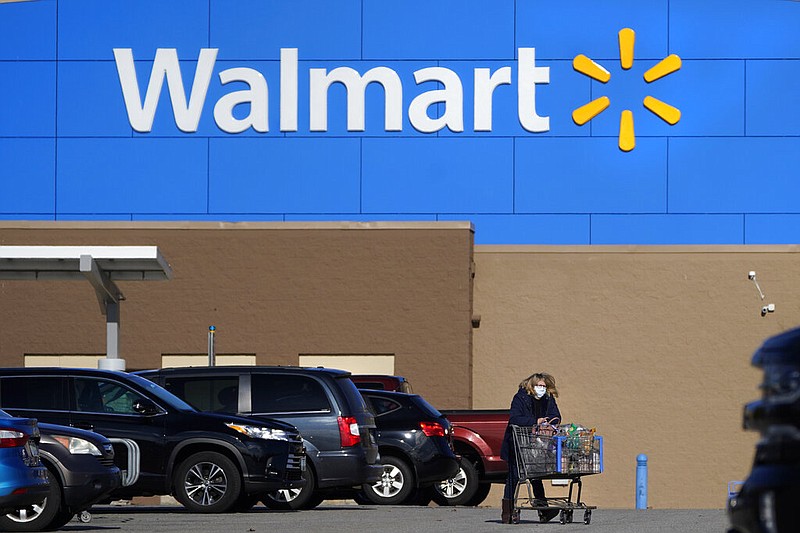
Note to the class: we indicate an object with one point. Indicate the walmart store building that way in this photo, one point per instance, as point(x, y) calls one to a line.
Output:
point(499, 186)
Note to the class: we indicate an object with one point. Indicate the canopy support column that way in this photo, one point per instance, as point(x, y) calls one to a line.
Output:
point(108, 296)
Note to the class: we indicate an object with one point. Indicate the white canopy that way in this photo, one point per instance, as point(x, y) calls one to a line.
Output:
point(127, 263)
point(100, 265)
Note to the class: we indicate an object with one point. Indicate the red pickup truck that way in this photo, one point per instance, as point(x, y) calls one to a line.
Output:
point(477, 437)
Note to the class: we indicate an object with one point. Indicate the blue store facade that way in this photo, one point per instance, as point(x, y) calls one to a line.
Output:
point(361, 110)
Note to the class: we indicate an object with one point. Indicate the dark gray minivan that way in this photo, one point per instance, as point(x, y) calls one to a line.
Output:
point(324, 404)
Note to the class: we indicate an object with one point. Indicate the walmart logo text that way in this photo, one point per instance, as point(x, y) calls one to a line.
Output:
point(255, 97)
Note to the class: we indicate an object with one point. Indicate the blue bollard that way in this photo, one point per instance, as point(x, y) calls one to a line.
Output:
point(641, 481)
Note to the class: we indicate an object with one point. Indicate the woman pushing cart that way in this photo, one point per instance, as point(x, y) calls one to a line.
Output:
point(536, 447)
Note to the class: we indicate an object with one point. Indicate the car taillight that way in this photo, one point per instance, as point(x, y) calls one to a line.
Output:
point(348, 431)
point(10, 438)
point(432, 429)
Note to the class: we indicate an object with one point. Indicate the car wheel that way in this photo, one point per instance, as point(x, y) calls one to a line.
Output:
point(459, 489)
point(36, 517)
point(396, 483)
point(295, 499)
point(207, 482)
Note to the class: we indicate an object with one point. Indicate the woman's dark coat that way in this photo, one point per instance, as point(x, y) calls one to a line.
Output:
point(525, 411)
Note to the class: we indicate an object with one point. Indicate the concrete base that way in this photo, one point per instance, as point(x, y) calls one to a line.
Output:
point(111, 364)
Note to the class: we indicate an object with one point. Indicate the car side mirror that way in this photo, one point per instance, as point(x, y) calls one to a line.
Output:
point(145, 407)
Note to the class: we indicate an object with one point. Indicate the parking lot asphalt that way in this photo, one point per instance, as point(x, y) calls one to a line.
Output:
point(397, 519)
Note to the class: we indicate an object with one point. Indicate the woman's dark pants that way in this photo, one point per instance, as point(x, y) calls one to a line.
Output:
point(513, 479)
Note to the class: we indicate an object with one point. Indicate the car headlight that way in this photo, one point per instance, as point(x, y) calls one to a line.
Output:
point(78, 446)
point(257, 432)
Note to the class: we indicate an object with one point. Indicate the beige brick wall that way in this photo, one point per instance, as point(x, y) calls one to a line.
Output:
point(651, 345)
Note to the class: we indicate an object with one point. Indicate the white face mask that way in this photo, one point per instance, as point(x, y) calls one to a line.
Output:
point(539, 391)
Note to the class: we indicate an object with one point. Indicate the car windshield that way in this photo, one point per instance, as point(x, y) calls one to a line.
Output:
point(162, 394)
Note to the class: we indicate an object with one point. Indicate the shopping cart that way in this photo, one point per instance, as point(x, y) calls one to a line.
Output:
point(568, 453)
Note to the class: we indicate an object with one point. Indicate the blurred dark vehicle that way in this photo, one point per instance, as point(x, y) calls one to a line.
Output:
point(81, 470)
point(338, 430)
point(766, 501)
point(23, 477)
point(414, 440)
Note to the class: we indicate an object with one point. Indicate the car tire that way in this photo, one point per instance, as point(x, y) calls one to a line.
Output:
point(461, 488)
point(295, 499)
point(61, 519)
point(207, 482)
point(38, 517)
point(396, 483)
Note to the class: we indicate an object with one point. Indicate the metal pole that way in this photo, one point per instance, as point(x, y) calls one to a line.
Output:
point(112, 360)
point(112, 330)
point(211, 354)
point(641, 481)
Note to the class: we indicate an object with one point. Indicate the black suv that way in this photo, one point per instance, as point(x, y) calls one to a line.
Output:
point(337, 427)
point(210, 462)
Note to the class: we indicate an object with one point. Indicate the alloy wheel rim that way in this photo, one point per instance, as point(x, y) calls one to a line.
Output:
point(28, 513)
point(205, 483)
point(454, 487)
point(391, 482)
point(286, 495)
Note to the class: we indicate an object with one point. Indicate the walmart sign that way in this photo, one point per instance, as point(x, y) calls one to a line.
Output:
point(256, 97)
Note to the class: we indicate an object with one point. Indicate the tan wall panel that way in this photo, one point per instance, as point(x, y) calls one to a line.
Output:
point(651, 345)
point(173, 360)
point(72, 361)
point(356, 364)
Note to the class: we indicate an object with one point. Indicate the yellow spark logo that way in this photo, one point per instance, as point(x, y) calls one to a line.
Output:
point(585, 113)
